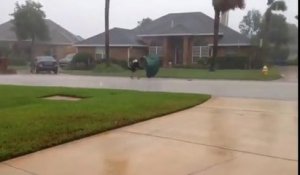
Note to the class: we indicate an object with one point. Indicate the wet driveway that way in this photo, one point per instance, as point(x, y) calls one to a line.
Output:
point(224, 136)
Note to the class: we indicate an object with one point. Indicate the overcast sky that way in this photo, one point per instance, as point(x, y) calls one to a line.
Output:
point(86, 17)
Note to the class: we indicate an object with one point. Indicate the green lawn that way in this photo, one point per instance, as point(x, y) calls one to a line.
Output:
point(185, 73)
point(29, 123)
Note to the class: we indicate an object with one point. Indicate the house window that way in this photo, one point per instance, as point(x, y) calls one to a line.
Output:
point(200, 52)
point(100, 54)
point(156, 50)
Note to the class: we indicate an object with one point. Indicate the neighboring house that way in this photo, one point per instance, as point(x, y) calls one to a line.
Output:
point(59, 45)
point(180, 39)
point(124, 44)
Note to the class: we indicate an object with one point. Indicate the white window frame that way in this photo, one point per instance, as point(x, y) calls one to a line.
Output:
point(158, 50)
point(100, 51)
point(201, 55)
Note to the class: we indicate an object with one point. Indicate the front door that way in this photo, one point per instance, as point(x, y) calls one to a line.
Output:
point(177, 50)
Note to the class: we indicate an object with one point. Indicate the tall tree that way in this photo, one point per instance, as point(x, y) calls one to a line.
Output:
point(278, 37)
point(144, 22)
point(293, 39)
point(222, 6)
point(293, 34)
point(29, 23)
point(272, 6)
point(278, 31)
point(250, 25)
point(107, 55)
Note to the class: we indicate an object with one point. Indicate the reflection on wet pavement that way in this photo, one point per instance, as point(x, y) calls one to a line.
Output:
point(228, 136)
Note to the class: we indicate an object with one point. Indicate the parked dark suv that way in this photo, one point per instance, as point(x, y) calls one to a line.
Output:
point(44, 63)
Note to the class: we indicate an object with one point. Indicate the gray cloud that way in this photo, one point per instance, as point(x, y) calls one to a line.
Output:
point(86, 18)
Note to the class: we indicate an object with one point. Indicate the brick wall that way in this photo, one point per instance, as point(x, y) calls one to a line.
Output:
point(138, 52)
point(118, 53)
point(242, 51)
point(59, 51)
point(90, 50)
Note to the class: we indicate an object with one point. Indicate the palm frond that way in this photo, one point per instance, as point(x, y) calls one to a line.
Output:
point(225, 5)
point(278, 6)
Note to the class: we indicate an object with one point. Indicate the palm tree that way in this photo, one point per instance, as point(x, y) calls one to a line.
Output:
point(107, 32)
point(273, 6)
point(222, 6)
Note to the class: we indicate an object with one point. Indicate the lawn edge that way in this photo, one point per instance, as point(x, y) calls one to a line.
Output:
point(206, 97)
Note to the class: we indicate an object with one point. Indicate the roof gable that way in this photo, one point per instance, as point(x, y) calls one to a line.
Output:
point(118, 37)
point(195, 23)
point(57, 34)
point(177, 24)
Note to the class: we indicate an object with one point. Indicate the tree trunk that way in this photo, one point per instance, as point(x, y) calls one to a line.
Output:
point(32, 48)
point(107, 32)
point(32, 54)
point(216, 38)
point(265, 44)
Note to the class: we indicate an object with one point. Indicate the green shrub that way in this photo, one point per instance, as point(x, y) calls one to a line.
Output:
point(191, 66)
point(82, 58)
point(82, 61)
point(113, 68)
point(14, 58)
point(17, 60)
point(4, 52)
point(124, 62)
point(292, 62)
point(280, 55)
point(256, 63)
point(204, 62)
point(231, 62)
point(121, 62)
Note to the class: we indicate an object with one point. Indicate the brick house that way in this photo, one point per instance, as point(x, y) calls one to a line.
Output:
point(60, 44)
point(180, 39)
point(124, 44)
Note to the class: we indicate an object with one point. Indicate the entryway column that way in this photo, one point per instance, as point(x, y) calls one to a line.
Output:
point(128, 55)
point(186, 51)
point(166, 52)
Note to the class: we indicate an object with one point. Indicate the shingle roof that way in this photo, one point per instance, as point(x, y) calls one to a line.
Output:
point(118, 37)
point(194, 23)
point(57, 34)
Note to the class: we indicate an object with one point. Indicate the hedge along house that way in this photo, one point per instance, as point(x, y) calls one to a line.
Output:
point(179, 39)
point(60, 41)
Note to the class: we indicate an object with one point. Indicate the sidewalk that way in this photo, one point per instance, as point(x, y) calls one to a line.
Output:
point(288, 73)
point(228, 136)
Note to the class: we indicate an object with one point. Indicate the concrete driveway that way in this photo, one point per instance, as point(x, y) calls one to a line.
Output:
point(224, 136)
point(288, 73)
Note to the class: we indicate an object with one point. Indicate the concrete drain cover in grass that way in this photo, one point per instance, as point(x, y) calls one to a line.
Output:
point(62, 98)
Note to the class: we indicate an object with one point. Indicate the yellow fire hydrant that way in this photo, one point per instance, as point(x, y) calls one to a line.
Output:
point(265, 70)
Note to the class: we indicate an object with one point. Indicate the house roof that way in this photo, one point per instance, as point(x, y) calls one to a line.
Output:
point(176, 24)
point(118, 37)
point(195, 23)
point(58, 35)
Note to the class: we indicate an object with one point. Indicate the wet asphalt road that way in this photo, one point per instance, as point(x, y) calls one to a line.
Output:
point(279, 89)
